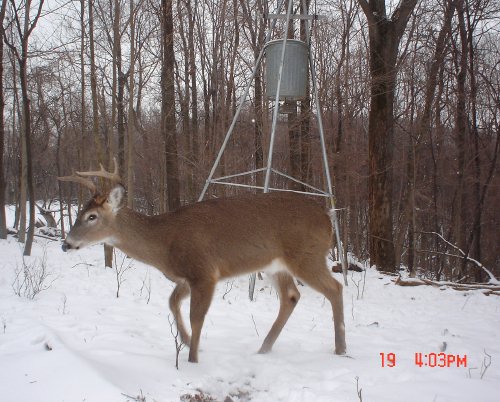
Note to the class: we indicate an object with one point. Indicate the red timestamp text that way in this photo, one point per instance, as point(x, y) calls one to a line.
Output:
point(388, 359)
point(427, 360)
point(440, 360)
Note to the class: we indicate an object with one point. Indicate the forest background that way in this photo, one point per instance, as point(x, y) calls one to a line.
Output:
point(409, 94)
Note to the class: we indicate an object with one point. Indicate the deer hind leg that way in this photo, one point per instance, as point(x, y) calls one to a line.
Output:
point(289, 297)
point(180, 292)
point(315, 273)
point(201, 297)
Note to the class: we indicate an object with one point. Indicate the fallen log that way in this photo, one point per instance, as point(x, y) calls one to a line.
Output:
point(338, 268)
point(489, 289)
point(409, 282)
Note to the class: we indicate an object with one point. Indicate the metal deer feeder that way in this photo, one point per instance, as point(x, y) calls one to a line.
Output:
point(288, 66)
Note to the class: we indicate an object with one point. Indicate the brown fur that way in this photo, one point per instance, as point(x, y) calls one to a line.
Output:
point(200, 244)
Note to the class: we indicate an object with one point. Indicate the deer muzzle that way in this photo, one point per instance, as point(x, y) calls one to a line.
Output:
point(67, 246)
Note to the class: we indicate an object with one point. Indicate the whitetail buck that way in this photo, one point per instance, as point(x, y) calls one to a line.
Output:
point(284, 235)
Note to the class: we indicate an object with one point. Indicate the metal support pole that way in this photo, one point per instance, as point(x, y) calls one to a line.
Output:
point(277, 101)
point(273, 127)
point(269, 166)
point(327, 171)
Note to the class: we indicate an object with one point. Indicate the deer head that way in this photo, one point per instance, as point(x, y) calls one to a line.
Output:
point(95, 221)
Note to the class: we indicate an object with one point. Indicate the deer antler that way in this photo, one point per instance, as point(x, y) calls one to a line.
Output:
point(79, 177)
point(81, 180)
point(115, 177)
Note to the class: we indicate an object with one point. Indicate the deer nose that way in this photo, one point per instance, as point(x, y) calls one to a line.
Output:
point(66, 246)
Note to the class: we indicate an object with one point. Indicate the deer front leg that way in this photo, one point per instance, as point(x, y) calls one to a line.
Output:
point(180, 292)
point(201, 297)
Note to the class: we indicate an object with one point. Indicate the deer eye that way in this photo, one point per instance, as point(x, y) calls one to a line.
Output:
point(92, 217)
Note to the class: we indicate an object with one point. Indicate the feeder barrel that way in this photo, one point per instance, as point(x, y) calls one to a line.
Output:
point(294, 76)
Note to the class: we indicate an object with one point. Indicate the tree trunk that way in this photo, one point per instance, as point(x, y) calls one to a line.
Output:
point(347, 11)
point(59, 183)
point(3, 223)
point(22, 180)
point(423, 130)
point(168, 123)
point(258, 127)
point(83, 112)
point(305, 115)
point(21, 55)
point(195, 148)
point(474, 240)
point(183, 85)
point(257, 32)
point(93, 85)
point(108, 251)
point(120, 115)
point(131, 119)
point(461, 129)
point(119, 81)
point(294, 148)
point(294, 133)
point(22, 58)
point(385, 35)
point(20, 215)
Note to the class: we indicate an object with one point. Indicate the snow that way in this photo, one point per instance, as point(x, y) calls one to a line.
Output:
point(76, 341)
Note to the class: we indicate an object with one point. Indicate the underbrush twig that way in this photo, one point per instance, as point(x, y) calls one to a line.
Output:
point(32, 277)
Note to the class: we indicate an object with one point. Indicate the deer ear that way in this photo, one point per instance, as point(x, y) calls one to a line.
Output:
point(116, 197)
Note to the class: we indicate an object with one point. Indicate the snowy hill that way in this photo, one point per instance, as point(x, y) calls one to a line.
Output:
point(76, 341)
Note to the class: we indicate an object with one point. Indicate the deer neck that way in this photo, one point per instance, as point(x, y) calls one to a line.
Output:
point(137, 236)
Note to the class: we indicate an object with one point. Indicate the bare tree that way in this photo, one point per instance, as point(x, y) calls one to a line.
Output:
point(256, 29)
point(385, 34)
point(93, 84)
point(24, 32)
point(3, 223)
point(461, 129)
point(131, 114)
point(194, 132)
point(168, 120)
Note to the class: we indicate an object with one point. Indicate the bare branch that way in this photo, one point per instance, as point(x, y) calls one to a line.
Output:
point(39, 12)
point(401, 15)
point(474, 261)
point(368, 12)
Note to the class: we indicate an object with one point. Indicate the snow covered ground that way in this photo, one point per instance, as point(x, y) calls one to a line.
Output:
point(76, 341)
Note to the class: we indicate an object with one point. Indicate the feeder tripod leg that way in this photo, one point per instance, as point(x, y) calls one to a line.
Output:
point(327, 169)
